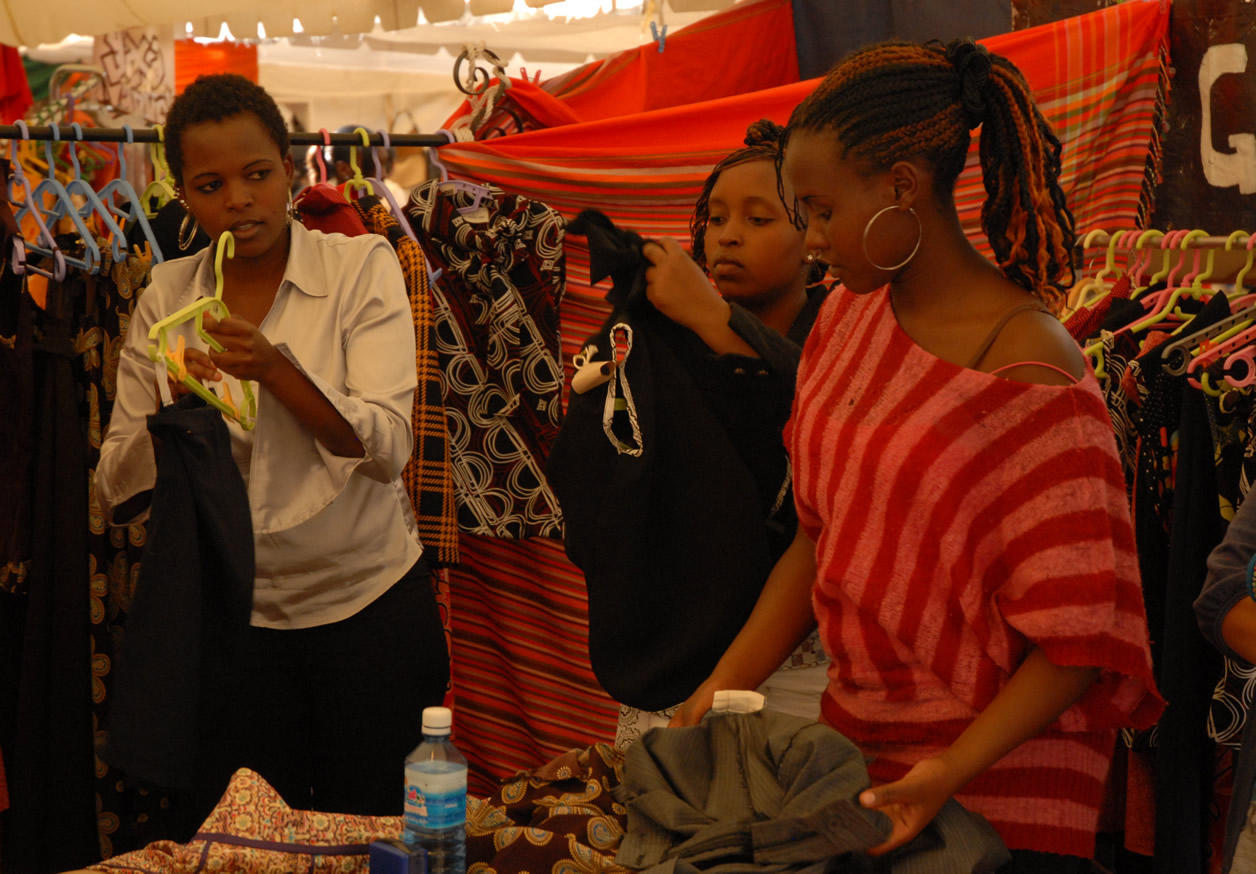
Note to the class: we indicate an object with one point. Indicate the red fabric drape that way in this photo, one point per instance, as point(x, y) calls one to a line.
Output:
point(192, 59)
point(747, 47)
point(15, 90)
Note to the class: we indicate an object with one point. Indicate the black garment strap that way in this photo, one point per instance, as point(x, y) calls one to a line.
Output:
point(998, 329)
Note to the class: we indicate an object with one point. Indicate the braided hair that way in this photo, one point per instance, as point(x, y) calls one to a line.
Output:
point(899, 100)
point(764, 139)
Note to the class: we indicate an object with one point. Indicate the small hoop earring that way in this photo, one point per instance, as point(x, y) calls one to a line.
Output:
point(187, 233)
point(920, 234)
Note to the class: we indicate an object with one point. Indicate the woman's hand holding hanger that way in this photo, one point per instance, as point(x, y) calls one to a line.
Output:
point(199, 365)
point(246, 354)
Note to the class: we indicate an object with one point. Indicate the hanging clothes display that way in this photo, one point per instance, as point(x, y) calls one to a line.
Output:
point(1173, 363)
point(17, 387)
point(427, 476)
point(497, 335)
point(52, 820)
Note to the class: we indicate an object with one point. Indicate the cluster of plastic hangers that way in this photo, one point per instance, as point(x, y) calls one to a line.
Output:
point(160, 350)
point(51, 201)
point(359, 184)
point(1231, 341)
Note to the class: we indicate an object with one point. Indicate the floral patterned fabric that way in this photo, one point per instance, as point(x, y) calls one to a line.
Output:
point(560, 819)
point(252, 830)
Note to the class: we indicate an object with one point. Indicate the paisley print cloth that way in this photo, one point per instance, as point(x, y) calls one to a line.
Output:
point(503, 273)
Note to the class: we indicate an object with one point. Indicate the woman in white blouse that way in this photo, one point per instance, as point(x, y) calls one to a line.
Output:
point(345, 645)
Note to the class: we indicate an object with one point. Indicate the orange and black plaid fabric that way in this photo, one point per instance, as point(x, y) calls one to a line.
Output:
point(427, 475)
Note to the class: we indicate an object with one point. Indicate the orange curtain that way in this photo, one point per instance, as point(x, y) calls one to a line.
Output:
point(192, 59)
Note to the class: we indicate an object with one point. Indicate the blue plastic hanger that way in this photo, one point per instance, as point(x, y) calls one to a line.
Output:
point(387, 196)
point(44, 244)
point(134, 210)
point(94, 205)
point(62, 207)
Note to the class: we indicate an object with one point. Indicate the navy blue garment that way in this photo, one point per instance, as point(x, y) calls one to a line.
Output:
point(195, 591)
point(825, 32)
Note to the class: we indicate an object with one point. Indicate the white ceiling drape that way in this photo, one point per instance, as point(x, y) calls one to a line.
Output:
point(34, 22)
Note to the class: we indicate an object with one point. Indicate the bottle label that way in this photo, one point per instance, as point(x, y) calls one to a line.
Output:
point(435, 801)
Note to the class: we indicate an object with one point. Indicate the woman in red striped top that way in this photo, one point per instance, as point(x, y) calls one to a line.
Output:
point(965, 542)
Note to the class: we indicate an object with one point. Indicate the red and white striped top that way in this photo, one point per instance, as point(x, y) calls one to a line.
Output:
point(960, 518)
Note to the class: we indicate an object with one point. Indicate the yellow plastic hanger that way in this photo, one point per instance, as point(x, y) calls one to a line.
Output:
point(1167, 243)
point(1180, 240)
point(162, 186)
point(159, 346)
point(1095, 350)
point(1242, 274)
point(1118, 240)
point(358, 182)
point(1151, 236)
point(1195, 289)
point(1082, 294)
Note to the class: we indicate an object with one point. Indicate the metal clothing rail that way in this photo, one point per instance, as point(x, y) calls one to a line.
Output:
point(149, 135)
point(1101, 239)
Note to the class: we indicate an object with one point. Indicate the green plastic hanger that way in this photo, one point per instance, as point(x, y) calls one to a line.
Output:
point(358, 182)
point(243, 409)
point(162, 186)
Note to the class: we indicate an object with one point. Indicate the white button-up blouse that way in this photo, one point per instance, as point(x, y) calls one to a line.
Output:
point(330, 533)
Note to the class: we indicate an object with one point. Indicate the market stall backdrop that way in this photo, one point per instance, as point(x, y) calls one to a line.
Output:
point(636, 136)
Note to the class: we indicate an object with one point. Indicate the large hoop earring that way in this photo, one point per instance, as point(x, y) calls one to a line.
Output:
point(920, 235)
point(187, 233)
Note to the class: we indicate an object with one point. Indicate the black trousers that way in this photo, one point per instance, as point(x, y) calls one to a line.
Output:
point(1030, 862)
point(328, 714)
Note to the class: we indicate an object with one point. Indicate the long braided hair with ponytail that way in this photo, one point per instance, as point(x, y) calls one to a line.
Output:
point(898, 100)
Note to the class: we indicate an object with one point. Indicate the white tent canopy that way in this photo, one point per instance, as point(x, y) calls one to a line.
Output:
point(27, 23)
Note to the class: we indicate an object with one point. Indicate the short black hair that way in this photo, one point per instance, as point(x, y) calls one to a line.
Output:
point(215, 97)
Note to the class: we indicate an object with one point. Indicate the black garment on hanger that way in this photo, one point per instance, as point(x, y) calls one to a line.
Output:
point(195, 589)
point(52, 822)
point(1173, 569)
point(673, 542)
point(17, 390)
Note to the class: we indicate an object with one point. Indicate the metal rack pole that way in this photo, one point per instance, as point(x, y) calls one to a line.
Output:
point(149, 135)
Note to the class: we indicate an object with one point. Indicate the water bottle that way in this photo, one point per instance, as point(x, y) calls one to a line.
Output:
point(436, 796)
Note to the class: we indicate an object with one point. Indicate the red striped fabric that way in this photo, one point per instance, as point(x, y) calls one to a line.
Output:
point(523, 689)
point(640, 79)
point(1100, 79)
point(961, 519)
